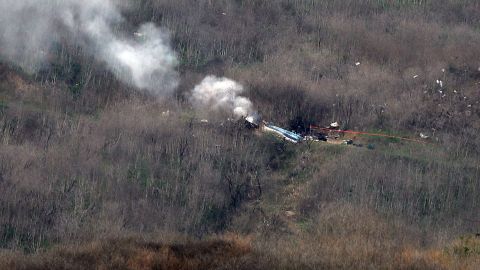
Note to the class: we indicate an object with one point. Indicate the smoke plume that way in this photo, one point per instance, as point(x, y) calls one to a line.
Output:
point(28, 28)
point(221, 94)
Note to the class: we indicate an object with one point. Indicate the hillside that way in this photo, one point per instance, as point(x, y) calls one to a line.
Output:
point(123, 143)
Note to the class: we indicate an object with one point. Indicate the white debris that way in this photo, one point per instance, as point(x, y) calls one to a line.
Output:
point(415, 76)
point(224, 14)
point(423, 136)
point(334, 125)
point(204, 121)
point(469, 106)
point(440, 83)
point(254, 119)
point(166, 113)
point(357, 64)
point(455, 91)
point(443, 70)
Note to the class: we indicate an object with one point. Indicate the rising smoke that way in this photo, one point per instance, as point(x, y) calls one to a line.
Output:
point(28, 28)
point(221, 94)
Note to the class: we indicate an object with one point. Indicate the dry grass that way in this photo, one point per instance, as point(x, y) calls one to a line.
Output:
point(343, 236)
point(134, 255)
point(84, 157)
point(353, 241)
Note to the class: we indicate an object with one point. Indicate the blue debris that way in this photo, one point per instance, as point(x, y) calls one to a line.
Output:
point(288, 135)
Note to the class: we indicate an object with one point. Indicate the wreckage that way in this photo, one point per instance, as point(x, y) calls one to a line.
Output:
point(287, 135)
point(332, 134)
point(255, 121)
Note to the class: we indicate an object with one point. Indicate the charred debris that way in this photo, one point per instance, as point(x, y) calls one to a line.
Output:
point(332, 133)
point(326, 134)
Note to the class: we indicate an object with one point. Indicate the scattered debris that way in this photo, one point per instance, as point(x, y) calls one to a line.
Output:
point(334, 125)
point(423, 136)
point(440, 83)
point(331, 134)
point(311, 138)
point(253, 120)
point(348, 142)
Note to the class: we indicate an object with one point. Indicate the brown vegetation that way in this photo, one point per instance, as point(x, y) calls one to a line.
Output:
point(132, 254)
point(85, 158)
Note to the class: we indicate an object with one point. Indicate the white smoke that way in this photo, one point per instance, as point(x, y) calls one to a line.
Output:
point(28, 28)
point(221, 94)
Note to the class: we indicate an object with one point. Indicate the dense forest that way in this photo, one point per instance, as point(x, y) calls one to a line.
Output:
point(102, 172)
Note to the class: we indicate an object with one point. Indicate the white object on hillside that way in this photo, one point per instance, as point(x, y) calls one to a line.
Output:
point(423, 136)
point(334, 125)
